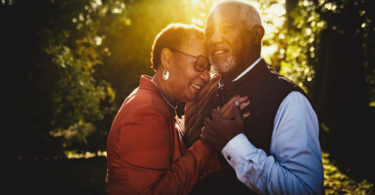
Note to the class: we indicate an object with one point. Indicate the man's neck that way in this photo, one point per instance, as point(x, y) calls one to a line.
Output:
point(238, 69)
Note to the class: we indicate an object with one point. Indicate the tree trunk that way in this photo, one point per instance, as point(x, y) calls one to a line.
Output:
point(290, 5)
point(341, 97)
point(340, 82)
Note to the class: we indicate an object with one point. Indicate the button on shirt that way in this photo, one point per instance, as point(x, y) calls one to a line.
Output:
point(295, 164)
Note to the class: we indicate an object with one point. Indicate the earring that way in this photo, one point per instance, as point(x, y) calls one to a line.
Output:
point(166, 74)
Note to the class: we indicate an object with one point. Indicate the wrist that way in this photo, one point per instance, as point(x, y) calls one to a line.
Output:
point(232, 141)
point(227, 140)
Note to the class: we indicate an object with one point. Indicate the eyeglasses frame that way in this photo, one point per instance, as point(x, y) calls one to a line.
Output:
point(195, 65)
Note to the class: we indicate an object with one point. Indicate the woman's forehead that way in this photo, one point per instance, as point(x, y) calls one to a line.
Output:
point(194, 46)
point(192, 43)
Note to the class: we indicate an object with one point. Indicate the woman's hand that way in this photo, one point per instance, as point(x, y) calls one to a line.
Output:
point(227, 110)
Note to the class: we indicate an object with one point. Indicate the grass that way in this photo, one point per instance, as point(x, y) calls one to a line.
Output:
point(337, 183)
point(63, 176)
point(87, 176)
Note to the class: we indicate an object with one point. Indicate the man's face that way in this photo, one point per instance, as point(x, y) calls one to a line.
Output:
point(228, 42)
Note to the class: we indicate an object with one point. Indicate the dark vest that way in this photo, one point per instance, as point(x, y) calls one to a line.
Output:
point(266, 90)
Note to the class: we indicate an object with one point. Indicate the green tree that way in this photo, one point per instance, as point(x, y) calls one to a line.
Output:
point(51, 94)
point(331, 52)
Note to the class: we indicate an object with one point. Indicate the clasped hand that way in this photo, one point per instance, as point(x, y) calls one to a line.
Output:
point(227, 122)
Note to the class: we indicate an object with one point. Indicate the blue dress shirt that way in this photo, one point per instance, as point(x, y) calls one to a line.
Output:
point(295, 164)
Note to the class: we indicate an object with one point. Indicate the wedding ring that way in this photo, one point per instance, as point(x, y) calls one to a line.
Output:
point(202, 129)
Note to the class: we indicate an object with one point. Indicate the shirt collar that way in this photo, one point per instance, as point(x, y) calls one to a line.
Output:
point(221, 81)
point(248, 69)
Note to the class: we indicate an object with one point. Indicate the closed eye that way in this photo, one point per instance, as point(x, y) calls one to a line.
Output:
point(208, 34)
point(227, 28)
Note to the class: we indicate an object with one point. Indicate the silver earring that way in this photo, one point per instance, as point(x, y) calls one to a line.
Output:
point(166, 74)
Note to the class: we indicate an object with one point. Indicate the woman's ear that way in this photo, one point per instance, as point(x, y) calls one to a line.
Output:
point(258, 33)
point(166, 57)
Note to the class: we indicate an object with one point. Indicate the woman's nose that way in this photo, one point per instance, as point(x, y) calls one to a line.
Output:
point(205, 75)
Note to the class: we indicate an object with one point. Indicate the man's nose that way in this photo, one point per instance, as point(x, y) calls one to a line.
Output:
point(216, 37)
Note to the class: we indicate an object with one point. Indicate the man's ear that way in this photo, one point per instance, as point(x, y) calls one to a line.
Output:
point(258, 33)
point(166, 57)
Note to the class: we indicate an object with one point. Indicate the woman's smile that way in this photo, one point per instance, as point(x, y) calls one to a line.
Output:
point(197, 87)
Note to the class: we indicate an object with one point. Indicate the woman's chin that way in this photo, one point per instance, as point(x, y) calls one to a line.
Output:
point(191, 94)
point(192, 97)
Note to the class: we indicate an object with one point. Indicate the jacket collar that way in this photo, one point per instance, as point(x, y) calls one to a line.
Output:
point(147, 84)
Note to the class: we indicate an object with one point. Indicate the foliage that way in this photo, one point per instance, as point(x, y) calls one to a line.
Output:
point(337, 183)
point(350, 17)
point(300, 51)
point(128, 37)
point(324, 33)
point(51, 86)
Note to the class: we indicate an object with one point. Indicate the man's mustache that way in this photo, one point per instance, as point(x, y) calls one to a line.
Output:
point(219, 47)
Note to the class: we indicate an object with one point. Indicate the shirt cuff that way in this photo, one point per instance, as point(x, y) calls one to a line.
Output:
point(237, 149)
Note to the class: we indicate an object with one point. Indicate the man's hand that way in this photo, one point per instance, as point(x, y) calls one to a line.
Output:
point(219, 131)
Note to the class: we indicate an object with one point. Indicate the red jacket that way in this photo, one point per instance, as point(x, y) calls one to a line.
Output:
point(145, 152)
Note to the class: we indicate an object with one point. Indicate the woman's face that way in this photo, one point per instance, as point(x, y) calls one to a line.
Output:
point(187, 82)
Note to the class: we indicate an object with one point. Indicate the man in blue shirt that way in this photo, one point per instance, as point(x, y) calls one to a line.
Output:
point(276, 150)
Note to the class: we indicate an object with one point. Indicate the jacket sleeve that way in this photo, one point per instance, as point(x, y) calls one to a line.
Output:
point(146, 149)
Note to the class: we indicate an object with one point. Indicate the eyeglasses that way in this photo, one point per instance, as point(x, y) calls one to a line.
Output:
point(201, 64)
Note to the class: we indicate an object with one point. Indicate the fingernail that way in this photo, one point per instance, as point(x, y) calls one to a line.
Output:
point(247, 101)
point(237, 96)
point(237, 103)
point(247, 113)
point(245, 97)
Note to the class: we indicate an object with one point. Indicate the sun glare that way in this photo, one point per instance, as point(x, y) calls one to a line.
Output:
point(273, 17)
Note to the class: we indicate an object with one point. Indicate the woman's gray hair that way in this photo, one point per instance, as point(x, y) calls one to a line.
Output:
point(248, 13)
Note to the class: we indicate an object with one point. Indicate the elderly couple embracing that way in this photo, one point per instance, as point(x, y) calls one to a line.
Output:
point(248, 130)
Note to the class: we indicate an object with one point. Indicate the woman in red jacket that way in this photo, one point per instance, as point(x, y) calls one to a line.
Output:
point(145, 152)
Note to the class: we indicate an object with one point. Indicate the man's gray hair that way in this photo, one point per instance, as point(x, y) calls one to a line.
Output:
point(248, 12)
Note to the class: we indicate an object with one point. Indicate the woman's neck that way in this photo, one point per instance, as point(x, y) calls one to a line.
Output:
point(166, 90)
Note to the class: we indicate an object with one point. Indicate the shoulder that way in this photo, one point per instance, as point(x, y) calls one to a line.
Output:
point(280, 80)
point(283, 86)
point(296, 107)
point(145, 103)
point(297, 100)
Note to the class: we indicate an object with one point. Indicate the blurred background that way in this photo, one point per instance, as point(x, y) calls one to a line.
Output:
point(67, 66)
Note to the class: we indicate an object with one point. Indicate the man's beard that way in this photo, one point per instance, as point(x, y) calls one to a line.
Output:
point(224, 66)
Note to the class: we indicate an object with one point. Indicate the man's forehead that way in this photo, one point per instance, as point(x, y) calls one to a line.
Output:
point(223, 13)
point(226, 9)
